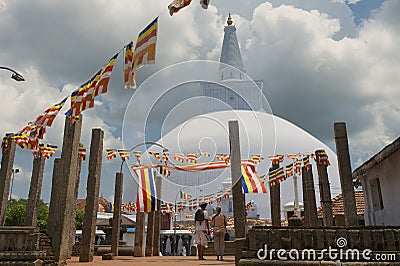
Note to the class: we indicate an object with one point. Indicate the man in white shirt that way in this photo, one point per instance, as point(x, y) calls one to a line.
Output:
point(201, 229)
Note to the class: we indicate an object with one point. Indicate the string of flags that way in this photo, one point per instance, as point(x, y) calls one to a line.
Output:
point(82, 153)
point(29, 136)
point(191, 203)
point(177, 5)
point(82, 98)
point(123, 154)
point(44, 150)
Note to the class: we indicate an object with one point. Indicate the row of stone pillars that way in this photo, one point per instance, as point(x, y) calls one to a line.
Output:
point(64, 193)
point(310, 209)
point(65, 184)
point(152, 245)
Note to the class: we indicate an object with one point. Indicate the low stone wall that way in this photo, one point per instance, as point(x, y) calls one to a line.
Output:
point(24, 246)
point(19, 238)
point(377, 238)
point(380, 240)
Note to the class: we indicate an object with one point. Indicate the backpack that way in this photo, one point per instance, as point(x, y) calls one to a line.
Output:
point(199, 216)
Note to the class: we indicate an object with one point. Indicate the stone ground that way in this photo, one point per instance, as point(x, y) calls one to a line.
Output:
point(147, 261)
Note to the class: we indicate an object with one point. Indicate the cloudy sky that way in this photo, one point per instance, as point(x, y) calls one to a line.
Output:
point(321, 61)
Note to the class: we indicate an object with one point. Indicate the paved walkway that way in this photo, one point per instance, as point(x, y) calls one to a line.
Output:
point(147, 261)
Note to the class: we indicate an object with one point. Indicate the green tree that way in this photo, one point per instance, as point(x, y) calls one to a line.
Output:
point(79, 219)
point(15, 214)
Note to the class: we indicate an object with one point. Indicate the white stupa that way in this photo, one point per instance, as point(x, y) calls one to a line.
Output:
point(261, 133)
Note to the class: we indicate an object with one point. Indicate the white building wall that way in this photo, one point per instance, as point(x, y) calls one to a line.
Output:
point(388, 172)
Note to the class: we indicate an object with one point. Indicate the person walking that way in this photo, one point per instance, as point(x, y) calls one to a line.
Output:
point(201, 229)
point(218, 223)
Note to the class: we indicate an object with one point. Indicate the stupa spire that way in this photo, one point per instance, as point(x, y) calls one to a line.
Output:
point(230, 54)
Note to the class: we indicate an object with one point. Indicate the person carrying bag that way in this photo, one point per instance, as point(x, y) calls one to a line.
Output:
point(218, 224)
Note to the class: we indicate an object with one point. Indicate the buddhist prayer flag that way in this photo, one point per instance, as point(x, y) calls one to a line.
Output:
point(164, 171)
point(251, 182)
point(155, 155)
point(322, 157)
point(164, 207)
point(289, 170)
point(21, 140)
point(46, 151)
point(219, 196)
point(177, 5)
point(129, 72)
point(306, 162)
point(184, 195)
point(82, 153)
point(210, 199)
point(165, 158)
point(276, 176)
point(123, 154)
point(83, 97)
point(257, 158)
point(191, 157)
point(47, 118)
point(145, 50)
point(138, 156)
point(29, 136)
point(180, 157)
point(146, 196)
point(297, 167)
point(205, 154)
point(111, 154)
point(179, 205)
point(275, 159)
point(248, 206)
point(227, 192)
point(223, 157)
point(292, 156)
point(36, 153)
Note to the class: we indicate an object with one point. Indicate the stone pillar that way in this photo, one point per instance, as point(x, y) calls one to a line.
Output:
point(238, 197)
point(296, 206)
point(34, 192)
point(139, 235)
point(116, 222)
point(275, 199)
point(157, 217)
point(150, 234)
point(346, 179)
point(51, 221)
point(306, 204)
point(73, 216)
point(7, 162)
point(66, 191)
point(310, 205)
point(324, 191)
point(92, 196)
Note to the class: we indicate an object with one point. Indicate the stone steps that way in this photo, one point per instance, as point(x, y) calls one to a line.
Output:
point(122, 250)
point(45, 246)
